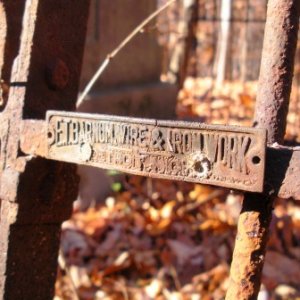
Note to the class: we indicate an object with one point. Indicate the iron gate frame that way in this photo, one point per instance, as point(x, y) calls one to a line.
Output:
point(37, 193)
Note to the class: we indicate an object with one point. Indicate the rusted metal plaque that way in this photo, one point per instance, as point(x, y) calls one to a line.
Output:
point(227, 156)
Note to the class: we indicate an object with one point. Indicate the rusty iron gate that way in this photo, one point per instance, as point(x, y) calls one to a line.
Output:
point(38, 134)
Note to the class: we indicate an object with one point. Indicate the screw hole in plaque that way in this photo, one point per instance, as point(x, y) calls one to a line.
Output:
point(202, 167)
point(198, 167)
point(49, 135)
point(256, 160)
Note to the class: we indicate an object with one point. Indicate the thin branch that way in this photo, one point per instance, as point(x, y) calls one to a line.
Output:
point(111, 55)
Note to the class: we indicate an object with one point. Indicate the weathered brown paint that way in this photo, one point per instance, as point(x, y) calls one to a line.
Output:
point(271, 111)
point(37, 194)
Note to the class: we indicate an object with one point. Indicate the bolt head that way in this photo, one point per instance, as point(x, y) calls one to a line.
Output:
point(57, 75)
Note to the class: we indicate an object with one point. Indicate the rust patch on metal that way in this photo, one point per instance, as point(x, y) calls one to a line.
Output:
point(32, 140)
point(36, 194)
point(227, 156)
point(281, 177)
point(250, 247)
point(277, 67)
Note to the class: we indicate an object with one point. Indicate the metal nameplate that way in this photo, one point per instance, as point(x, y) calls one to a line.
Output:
point(227, 156)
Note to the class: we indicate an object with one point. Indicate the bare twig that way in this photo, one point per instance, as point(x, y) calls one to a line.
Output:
point(111, 55)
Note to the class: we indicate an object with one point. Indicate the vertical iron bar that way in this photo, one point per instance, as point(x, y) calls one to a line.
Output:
point(277, 68)
point(37, 194)
point(272, 103)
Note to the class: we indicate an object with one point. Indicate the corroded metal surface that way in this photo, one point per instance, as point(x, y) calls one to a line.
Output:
point(250, 247)
point(232, 157)
point(271, 111)
point(36, 194)
point(11, 13)
point(277, 67)
point(282, 175)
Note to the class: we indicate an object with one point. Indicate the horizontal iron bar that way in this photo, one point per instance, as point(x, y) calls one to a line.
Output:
point(282, 175)
point(228, 156)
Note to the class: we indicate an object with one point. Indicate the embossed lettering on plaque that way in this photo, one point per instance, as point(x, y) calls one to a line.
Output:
point(226, 156)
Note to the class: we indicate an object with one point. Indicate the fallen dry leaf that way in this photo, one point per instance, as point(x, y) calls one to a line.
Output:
point(279, 269)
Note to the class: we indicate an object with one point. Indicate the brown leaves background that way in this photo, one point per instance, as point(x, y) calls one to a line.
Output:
point(170, 240)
